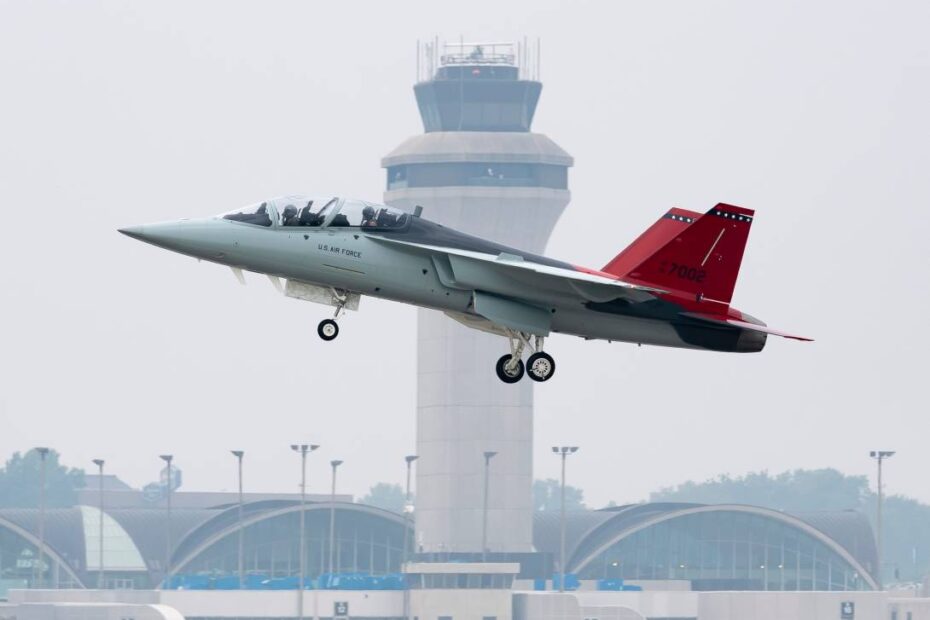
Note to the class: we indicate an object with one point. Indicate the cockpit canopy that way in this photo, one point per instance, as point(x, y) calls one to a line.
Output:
point(252, 214)
point(304, 210)
point(315, 211)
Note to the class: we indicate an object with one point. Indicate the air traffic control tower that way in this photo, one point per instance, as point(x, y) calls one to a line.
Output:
point(480, 169)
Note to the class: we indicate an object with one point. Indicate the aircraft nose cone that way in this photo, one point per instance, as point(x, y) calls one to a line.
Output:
point(192, 237)
point(136, 232)
point(164, 234)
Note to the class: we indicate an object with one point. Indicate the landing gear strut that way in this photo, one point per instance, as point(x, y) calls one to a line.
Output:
point(328, 329)
point(539, 366)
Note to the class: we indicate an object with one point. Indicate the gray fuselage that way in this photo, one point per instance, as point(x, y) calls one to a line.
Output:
point(355, 259)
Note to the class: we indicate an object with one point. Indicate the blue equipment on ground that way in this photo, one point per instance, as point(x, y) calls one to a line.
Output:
point(252, 581)
point(572, 582)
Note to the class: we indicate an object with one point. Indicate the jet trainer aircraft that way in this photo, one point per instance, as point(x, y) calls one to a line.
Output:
point(671, 287)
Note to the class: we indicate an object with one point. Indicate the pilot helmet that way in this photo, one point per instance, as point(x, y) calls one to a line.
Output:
point(368, 212)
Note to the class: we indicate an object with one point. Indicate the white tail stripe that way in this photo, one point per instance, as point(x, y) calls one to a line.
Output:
point(716, 241)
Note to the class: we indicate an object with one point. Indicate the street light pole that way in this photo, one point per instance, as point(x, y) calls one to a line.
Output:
point(99, 463)
point(37, 576)
point(167, 458)
point(332, 516)
point(408, 510)
point(879, 456)
point(488, 455)
point(408, 506)
point(241, 563)
point(302, 449)
point(563, 451)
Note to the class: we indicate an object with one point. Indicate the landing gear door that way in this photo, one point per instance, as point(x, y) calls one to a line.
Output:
point(322, 295)
point(513, 314)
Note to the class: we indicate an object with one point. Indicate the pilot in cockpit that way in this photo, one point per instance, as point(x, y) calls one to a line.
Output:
point(387, 219)
point(368, 217)
point(289, 216)
point(306, 217)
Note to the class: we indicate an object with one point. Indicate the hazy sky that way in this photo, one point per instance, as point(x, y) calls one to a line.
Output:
point(814, 114)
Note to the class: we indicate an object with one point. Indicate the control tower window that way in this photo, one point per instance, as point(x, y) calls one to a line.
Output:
point(397, 177)
point(254, 214)
point(447, 174)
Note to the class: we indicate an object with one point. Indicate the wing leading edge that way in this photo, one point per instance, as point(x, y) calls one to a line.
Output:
point(589, 285)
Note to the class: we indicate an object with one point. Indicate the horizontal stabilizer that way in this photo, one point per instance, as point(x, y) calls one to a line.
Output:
point(725, 320)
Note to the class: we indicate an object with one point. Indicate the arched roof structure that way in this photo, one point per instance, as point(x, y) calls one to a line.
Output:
point(226, 524)
point(136, 538)
point(591, 533)
point(148, 527)
point(59, 547)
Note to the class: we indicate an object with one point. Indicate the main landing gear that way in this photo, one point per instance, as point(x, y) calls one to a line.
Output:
point(328, 329)
point(539, 366)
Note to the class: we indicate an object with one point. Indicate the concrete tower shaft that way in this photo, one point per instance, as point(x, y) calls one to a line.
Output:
point(480, 170)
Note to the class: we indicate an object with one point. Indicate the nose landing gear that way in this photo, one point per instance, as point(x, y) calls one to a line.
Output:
point(539, 366)
point(328, 329)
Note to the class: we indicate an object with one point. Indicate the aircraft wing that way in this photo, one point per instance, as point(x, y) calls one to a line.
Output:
point(508, 274)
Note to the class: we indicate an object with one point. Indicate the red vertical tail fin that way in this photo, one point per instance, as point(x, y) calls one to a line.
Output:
point(703, 260)
point(664, 230)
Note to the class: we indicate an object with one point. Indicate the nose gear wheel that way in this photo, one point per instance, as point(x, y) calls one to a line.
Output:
point(328, 329)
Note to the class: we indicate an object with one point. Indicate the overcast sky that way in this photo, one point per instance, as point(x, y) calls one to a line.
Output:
point(814, 114)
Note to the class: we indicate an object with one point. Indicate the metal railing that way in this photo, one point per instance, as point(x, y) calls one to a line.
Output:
point(478, 54)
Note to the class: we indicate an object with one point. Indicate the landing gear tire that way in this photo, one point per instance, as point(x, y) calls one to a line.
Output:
point(328, 329)
point(507, 374)
point(540, 366)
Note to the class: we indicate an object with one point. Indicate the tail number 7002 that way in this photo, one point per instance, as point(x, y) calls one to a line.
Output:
point(684, 272)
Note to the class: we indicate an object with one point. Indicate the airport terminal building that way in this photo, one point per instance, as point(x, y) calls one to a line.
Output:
point(706, 547)
point(655, 560)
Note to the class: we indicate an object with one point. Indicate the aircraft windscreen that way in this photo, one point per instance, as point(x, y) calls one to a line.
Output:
point(369, 215)
point(303, 210)
point(253, 214)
